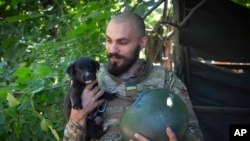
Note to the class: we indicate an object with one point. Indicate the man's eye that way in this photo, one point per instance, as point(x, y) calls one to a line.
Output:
point(108, 41)
point(123, 43)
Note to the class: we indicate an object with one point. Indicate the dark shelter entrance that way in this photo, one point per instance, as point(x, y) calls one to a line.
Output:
point(218, 32)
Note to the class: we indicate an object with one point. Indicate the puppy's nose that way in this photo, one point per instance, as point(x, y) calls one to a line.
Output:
point(89, 76)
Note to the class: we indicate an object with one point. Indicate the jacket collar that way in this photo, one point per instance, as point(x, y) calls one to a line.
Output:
point(139, 76)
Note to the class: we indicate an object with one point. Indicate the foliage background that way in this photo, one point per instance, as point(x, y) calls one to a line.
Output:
point(38, 40)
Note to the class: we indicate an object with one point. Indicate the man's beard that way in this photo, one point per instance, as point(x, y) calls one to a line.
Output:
point(116, 70)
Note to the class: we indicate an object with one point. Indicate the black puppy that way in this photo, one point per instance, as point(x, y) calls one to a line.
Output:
point(82, 72)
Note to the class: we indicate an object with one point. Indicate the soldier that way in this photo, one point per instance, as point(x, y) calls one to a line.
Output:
point(127, 75)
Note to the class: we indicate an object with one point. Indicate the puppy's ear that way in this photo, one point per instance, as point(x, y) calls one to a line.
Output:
point(70, 69)
point(97, 65)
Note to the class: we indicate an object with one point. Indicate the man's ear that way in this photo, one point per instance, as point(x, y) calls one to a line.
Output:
point(143, 42)
point(97, 65)
point(70, 69)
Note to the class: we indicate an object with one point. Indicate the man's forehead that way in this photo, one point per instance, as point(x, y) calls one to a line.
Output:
point(120, 30)
point(120, 38)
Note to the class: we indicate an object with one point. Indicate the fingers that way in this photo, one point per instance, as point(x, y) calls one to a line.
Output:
point(90, 100)
point(99, 92)
point(98, 95)
point(171, 135)
point(91, 96)
point(139, 137)
point(99, 102)
point(93, 90)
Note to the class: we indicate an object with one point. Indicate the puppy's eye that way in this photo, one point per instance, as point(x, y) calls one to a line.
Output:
point(90, 66)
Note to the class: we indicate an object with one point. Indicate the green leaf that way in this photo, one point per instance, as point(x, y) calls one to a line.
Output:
point(38, 90)
point(1, 106)
point(2, 114)
point(78, 31)
point(16, 18)
point(51, 75)
point(11, 112)
point(17, 128)
point(22, 72)
point(15, 2)
point(3, 92)
point(94, 14)
point(12, 101)
point(54, 133)
point(44, 125)
point(42, 71)
point(2, 118)
point(36, 85)
point(141, 10)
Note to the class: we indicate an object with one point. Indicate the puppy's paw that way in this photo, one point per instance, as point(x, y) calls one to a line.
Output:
point(98, 120)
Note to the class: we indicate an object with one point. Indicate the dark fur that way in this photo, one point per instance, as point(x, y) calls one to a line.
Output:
point(80, 71)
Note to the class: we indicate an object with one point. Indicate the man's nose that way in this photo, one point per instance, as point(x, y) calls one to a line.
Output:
point(113, 48)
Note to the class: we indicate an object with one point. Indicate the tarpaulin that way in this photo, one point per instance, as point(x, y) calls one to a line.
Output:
point(218, 30)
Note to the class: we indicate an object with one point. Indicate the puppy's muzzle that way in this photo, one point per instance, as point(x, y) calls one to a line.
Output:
point(88, 77)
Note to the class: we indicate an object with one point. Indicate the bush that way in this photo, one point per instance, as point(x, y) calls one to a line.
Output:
point(39, 39)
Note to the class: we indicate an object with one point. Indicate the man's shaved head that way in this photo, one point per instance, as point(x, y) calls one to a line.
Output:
point(138, 22)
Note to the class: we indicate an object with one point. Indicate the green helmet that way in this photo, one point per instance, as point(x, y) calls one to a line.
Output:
point(152, 113)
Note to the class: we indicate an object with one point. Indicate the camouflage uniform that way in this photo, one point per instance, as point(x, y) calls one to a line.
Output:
point(147, 77)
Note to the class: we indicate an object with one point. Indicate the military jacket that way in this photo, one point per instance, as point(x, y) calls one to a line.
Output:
point(146, 78)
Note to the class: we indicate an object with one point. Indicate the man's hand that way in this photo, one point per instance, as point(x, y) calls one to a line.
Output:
point(169, 133)
point(90, 100)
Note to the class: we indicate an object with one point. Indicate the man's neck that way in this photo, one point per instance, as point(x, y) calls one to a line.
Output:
point(133, 69)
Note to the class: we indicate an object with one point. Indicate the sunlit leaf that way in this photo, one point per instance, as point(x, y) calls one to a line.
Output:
point(42, 71)
point(12, 101)
point(44, 125)
point(54, 133)
point(22, 72)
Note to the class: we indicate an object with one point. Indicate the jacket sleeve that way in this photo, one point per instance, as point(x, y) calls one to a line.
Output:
point(74, 132)
point(174, 84)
